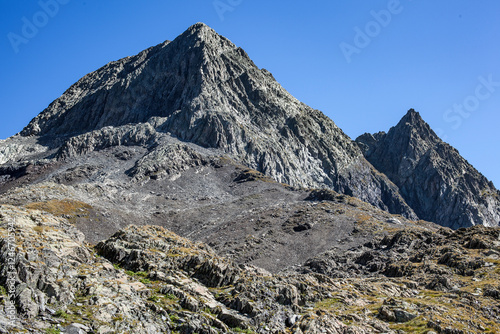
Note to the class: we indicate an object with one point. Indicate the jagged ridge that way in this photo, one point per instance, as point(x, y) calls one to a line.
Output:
point(433, 178)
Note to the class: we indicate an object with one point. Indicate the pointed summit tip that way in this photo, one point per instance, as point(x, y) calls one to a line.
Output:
point(200, 28)
point(412, 117)
point(413, 121)
point(413, 114)
point(412, 111)
point(200, 31)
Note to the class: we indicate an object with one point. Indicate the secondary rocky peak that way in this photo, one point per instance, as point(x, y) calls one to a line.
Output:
point(412, 124)
point(438, 183)
point(412, 135)
point(412, 117)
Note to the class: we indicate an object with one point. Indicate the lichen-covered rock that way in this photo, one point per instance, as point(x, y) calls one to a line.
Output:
point(58, 279)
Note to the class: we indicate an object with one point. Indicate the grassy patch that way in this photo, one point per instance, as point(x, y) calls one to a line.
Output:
point(174, 318)
point(61, 314)
point(154, 298)
point(417, 325)
point(171, 296)
point(117, 318)
point(39, 229)
point(145, 281)
point(363, 218)
point(330, 303)
point(65, 207)
point(239, 330)
point(209, 311)
point(137, 274)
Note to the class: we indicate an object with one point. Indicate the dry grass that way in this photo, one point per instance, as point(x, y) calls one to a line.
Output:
point(361, 218)
point(65, 207)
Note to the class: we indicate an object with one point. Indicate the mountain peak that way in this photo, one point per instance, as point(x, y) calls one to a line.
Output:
point(412, 117)
point(172, 74)
point(201, 88)
point(201, 30)
point(200, 27)
point(200, 34)
point(438, 183)
point(413, 125)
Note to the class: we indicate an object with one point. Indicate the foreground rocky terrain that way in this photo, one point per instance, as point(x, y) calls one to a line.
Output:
point(183, 190)
point(146, 279)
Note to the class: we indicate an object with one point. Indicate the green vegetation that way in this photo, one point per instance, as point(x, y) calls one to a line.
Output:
point(117, 318)
point(209, 311)
point(52, 330)
point(154, 298)
point(330, 303)
point(61, 314)
point(171, 296)
point(174, 318)
point(145, 281)
point(239, 330)
point(137, 274)
point(417, 325)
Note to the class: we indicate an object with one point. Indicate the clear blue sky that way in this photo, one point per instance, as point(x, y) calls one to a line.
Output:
point(429, 55)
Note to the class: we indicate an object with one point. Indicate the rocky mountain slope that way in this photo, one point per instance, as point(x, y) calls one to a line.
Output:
point(433, 178)
point(240, 212)
point(201, 88)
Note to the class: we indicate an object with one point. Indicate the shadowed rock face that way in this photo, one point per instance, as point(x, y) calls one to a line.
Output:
point(433, 178)
point(201, 88)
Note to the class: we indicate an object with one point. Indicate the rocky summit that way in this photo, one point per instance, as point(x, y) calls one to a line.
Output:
point(183, 190)
point(201, 88)
point(438, 183)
